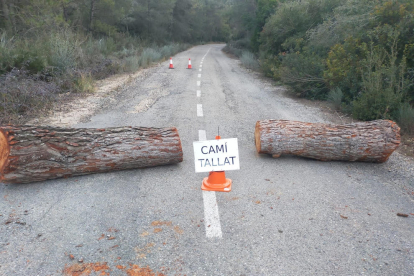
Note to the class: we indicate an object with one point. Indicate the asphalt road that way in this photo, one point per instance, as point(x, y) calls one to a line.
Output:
point(285, 216)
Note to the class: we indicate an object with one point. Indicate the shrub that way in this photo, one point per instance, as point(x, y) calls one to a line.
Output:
point(131, 64)
point(84, 83)
point(335, 97)
point(383, 84)
point(64, 47)
point(148, 56)
point(343, 67)
point(303, 71)
point(405, 118)
point(229, 48)
point(20, 95)
point(249, 60)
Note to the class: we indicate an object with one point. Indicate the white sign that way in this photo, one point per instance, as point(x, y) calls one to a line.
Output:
point(216, 155)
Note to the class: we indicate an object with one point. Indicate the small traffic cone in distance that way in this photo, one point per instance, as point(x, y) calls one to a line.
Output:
point(189, 64)
point(216, 181)
point(171, 64)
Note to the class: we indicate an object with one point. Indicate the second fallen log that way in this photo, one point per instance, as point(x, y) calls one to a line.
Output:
point(371, 141)
point(30, 153)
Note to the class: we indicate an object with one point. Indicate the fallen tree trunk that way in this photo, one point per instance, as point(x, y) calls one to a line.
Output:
point(29, 153)
point(371, 141)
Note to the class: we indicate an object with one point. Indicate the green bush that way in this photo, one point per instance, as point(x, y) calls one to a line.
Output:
point(335, 97)
point(229, 48)
point(148, 56)
point(383, 84)
point(64, 49)
point(343, 68)
point(131, 64)
point(249, 60)
point(405, 118)
point(84, 83)
point(304, 71)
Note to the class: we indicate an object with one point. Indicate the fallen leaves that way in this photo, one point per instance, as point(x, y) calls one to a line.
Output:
point(161, 223)
point(344, 217)
point(402, 215)
point(135, 270)
point(178, 230)
point(86, 269)
point(142, 252)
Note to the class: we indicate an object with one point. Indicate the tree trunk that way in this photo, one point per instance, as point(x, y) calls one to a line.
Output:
point(30, 154)
point(371, 141)
point(91, 15)
point(6, 15)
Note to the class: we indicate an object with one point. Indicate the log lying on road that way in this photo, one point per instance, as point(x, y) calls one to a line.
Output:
point(371, 141)
point(30, 153)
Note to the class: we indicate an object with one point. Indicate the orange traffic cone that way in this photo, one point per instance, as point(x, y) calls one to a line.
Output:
point(217, 181)
point(171, 64)
point(189, 64)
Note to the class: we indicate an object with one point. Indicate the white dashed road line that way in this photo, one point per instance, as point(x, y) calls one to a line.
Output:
point(211, 212)
point(202, 136)
point(211, 215)
point(199, 110)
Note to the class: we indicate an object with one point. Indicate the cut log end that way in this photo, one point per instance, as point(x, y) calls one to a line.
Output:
point(4, 152)
point(257, 136)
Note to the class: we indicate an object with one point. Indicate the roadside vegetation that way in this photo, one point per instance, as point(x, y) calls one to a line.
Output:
point(357, 54)
point(52, 50)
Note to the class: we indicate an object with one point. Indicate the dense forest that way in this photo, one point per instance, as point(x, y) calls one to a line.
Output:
point(51, 47)
point(357, 54)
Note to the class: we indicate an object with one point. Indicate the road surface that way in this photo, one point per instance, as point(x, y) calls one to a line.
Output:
point(285, 216)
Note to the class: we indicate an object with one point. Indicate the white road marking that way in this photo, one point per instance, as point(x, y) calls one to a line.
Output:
point(202, 136)
point(200, 70)
point(199, 110)
point(211, 213)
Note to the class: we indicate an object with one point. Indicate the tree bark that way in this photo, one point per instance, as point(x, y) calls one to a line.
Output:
point(30, 154)
point(371, 141)
point(91, 15)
